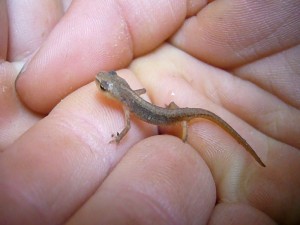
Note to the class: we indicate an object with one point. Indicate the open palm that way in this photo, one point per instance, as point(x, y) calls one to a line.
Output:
point(239, 60)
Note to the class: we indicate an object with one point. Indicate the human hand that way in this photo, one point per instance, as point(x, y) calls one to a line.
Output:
point(63, 169)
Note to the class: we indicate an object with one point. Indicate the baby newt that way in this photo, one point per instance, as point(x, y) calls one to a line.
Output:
point(117, 88)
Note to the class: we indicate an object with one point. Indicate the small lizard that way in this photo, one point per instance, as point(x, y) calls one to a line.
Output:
point(117, 88)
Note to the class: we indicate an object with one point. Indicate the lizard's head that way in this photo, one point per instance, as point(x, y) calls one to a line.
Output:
point(110, 84)
point(105, 81)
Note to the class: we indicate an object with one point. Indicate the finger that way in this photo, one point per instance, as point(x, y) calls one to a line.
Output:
point(231, 33)
point(15, 119)
point(111, 36)
point(277, 74)
point(30, 23)
point(53, 168)
point(161, 180)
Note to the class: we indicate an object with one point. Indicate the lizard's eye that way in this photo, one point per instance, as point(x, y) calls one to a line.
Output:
point(102, 87)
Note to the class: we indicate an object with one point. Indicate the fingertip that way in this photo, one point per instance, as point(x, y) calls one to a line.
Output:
point(159, 179)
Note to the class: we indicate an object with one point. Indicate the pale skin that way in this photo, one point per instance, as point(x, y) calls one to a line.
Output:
point(237, 59)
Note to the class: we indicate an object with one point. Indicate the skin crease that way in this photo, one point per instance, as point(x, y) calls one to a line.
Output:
point(234, 58)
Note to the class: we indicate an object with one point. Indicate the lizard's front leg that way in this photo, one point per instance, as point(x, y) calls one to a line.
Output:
point(118, 137)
